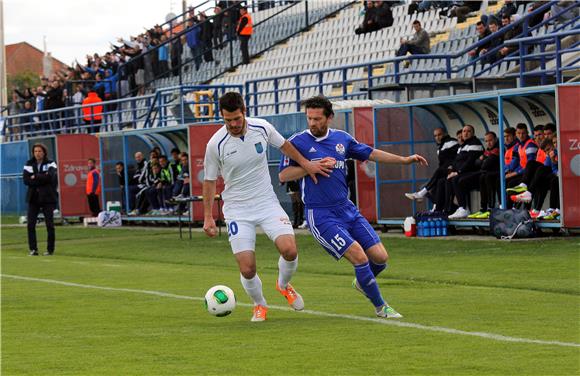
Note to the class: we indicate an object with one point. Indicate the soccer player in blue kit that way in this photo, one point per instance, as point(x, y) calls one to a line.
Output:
point(332, 218)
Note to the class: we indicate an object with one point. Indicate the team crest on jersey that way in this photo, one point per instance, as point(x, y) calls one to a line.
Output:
point(340, 149)
point(259, 147)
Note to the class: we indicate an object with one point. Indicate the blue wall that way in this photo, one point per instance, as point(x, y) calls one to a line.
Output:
point(13, 157)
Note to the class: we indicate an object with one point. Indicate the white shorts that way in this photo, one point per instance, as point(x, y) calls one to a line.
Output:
point(241, 222)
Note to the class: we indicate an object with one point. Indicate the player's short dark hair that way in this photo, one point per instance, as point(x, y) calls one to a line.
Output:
point(175, 150)
point(550, 127)
point(183, 154)
point(510, 130)
point(459, 132)
point(539, 127)
point(92, 160)
point(493, 22)
point(417, 22)
point(522, 126)
point(491, 133)
point(319, 101)
point(480, 23)
point(120, 164)
point(232, 101)
point(506, 17)
point(162, 156)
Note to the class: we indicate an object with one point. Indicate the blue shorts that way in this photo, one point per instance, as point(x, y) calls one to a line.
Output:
point(336, 228)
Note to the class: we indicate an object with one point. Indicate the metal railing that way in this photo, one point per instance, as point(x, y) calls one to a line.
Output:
point(168, 106)
point(446, 66)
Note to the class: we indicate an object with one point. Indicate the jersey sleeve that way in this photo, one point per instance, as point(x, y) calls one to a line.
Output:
point(356, 150)
point(274, 137)
point(285, 161)
point(211, 162)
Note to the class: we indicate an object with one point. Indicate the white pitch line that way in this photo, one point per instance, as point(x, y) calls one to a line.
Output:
point(402, 324)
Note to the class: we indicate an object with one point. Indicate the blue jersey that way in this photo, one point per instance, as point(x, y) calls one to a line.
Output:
point(337, 144)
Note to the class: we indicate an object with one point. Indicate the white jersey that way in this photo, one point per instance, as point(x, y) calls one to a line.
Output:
point(243, 162)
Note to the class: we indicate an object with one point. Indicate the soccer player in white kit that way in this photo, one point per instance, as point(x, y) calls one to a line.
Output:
point(238, 152)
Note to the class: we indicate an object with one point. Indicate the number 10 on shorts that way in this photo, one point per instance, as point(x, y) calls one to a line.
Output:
point(338, 242)
point(232, 228)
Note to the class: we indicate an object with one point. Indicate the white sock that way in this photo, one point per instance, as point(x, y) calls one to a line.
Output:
point(286, 271)
point(253, 288)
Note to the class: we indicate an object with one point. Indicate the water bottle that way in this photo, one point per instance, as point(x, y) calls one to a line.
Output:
point(438, 227)
point(420, 226)
point(444, 229)
point(431, 225)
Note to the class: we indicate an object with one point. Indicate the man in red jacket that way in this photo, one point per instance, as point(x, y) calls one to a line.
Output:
point(93, 188)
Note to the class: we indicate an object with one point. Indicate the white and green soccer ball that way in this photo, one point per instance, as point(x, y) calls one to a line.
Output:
point(220, 301)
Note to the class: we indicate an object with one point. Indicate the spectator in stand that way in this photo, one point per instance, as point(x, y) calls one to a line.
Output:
point(488, 174)
point(244, 32)
point(483, 32)
point(378, 15)
point(206, 37)
point(507, 9)
point(549, 131)
point(419, 44)
point(176, 51)
point(218, 25)
point(162, 57)
point(536, 19)
point(175, 161)
point(27, 122)
point(446, 152)
point(193, 39)
point(92, 112)
point(93, 187)
point(464, 163)
point(78, 96)
point(539, 135)
point(54, 99)
point(510, 34)
point(567, 16)
point(495, 42)
point(527, 152)
point(461, 9)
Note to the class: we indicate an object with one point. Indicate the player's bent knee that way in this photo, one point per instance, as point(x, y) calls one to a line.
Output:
point(378, 254)
point(287, 247)
point(248, 272)
point(356, 255)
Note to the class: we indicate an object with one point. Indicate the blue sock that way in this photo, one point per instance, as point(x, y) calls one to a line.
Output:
point(377, 268)
point(368, 283)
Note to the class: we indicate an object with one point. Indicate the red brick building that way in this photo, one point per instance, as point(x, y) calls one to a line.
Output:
point(22, 57)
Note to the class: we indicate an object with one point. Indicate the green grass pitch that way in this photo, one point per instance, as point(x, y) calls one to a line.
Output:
point(128, 302)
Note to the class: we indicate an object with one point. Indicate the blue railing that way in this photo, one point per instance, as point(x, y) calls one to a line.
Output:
point(168, 106)
point(445, 67)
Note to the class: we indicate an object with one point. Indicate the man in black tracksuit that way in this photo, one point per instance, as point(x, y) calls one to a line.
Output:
point(446, 152)
point(464, 163)
point(42, 180)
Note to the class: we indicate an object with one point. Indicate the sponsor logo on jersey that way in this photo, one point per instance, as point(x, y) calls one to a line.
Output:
point(285, 220)
point(312, 150)
point(340, 149)
point(259, 147)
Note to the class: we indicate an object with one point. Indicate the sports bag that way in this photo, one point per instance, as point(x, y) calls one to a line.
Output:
point(511, 223)
point(109, 219)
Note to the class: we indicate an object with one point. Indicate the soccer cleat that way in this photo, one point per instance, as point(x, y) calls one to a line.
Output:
point(484, 215)
point(535, 214)
point(259, 313)
point(388, 312)
point(459, 214)
point(294, 299)
point(48, 253)
point(357, 287)
point(413, 196)
point(33, 252)
point(525, 197)
point(554, 214)
point(303, 225)
point(475, 215)
point(518, 189)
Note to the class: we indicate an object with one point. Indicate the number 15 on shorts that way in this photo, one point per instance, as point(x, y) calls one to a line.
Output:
point(338, 242)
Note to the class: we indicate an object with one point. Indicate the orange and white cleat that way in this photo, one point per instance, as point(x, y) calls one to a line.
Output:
point(294, 299)
point(259, 313)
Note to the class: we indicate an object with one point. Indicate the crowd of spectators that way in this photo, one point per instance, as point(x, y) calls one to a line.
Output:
point(465, 164)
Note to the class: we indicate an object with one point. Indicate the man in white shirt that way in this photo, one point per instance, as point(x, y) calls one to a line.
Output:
point(238, 152)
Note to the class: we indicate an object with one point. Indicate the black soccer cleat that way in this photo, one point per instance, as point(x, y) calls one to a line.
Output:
point(47, 253)
point(33, 252)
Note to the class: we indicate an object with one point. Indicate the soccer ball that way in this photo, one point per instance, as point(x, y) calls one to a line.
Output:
point(220, 301)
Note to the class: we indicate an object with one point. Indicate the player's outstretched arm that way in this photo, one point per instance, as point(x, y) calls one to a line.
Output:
point(209, 187)
point(291, 173)
point(311, 168)
point(389, 158)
